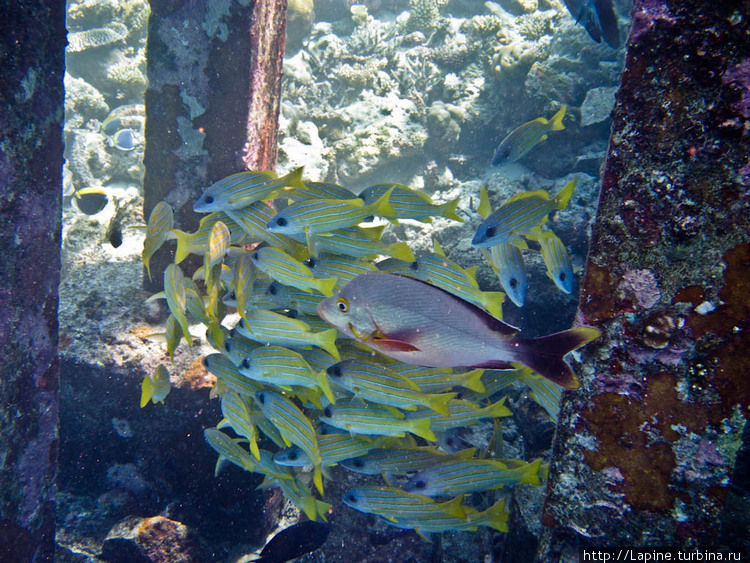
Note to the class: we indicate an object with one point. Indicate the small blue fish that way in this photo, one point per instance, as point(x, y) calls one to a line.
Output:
point(525, 137)
point(555, 256)
point(125, 140)
point(506, 260)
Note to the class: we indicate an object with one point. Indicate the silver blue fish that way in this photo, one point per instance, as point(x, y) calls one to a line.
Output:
point(415, 322)
point(506, 260)
point(557, 260)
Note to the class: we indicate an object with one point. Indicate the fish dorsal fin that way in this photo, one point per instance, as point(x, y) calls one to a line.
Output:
point(525, 195)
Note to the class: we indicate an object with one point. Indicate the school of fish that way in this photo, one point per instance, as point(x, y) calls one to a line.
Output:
point(340, 358)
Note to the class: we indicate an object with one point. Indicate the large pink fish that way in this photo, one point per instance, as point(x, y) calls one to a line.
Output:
point(418, 323)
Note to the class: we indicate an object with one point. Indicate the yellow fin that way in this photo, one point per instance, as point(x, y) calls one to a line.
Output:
point(562, 199)
point(556, 121)
point(484, 209)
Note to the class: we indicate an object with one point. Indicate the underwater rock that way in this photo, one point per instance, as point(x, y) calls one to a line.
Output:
point(597, 105)
point(83, 99)
point(442, 127)
point(382, 129)
point(146, 540)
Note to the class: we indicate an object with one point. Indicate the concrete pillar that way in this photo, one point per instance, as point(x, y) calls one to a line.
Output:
point(32, 49)
point(645, 450)
point(212, 103)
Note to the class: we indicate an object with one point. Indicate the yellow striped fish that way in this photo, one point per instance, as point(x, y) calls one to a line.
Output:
point(244, 188)
point(525, 137)
point(294, 426)
point(160, 222)
point(174, 290)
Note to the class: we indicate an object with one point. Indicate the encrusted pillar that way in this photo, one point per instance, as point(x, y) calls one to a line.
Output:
point(212, 104)
point(645, 450)
point(32, 48)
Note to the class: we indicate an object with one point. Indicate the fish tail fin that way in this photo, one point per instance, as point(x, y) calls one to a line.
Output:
point(309, 506)
point(473, 380)
point(421, 427)
point(562, 199)
point(448, 210)
point(147, 389)
point(485, 207)
point(530, 475)
point(556, 121)
point(498, 409)
point(183, 245)
point(294, 179)
point(439, 402)
point(327, 285)
point(545, 354)
point(497, 516)
point(323, 383)
point(327, 341)
point(318, 478)
point(401, 251)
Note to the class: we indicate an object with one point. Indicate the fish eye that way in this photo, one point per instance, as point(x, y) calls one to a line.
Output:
point(562, 276)
point(327, 412)
point(209, 199)
point(227, 347)
point(342, 304)
point(292, 313)
point(350, 497)
point(310, 262)
point(241, 324)
point(281, 222)
point(358, 463)
point(420, 484)
point(245, 363)
point(490, 232)
point(273, 289)
point(292, 456)
point(414, 265)
point(334, 370)
point(205, 362)
point(261, 397)
point(233, 296)
point(513, 283)
point(255, 256)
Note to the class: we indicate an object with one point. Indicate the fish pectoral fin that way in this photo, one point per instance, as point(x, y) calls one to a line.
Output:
point(393, 345)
